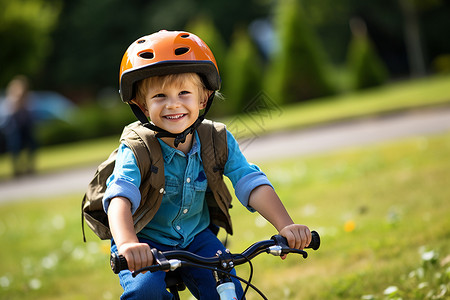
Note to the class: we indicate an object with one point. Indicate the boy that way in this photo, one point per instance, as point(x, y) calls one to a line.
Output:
point(169, 77)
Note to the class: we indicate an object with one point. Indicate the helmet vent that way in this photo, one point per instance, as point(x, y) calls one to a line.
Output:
point(185, 36)
point(140, 41)
point(146, 55)
point(181, 50)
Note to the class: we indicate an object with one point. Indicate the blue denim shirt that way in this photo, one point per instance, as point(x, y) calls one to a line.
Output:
point(183, 212)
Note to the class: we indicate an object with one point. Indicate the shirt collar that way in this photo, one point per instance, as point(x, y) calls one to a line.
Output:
point(169, 152)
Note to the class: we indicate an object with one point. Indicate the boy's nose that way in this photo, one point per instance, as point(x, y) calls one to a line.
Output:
point(172, 102)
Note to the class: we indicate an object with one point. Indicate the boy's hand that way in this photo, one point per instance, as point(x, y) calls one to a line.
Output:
point(298, 236)
point(138, 255)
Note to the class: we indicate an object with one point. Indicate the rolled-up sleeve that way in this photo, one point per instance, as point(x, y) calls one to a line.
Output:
point(244, 176)
point(125, 180)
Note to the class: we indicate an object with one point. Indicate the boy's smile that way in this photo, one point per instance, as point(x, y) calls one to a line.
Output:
point(175, 117)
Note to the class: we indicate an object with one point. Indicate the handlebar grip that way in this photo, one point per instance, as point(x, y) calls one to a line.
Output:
point(118, 263)
point(315, 241)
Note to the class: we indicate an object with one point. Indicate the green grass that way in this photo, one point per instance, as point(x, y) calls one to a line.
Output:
point(412, 94)
point(396, 195)
point(432, 91)
point(66, 156)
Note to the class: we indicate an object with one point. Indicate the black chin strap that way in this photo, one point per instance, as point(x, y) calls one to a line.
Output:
point(161, 133)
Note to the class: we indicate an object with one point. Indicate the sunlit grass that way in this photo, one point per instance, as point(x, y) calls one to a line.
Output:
point(395, 194)
point(43, 256)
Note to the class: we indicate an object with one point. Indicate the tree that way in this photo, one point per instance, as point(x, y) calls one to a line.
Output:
point(299, 66)
point(365, 67)
point(243, 72)
point(205, 28)
point(93, 35)
point(25, 27)
point(89, 44)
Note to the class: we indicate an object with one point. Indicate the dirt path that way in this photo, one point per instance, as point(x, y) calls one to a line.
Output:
point(309, 141)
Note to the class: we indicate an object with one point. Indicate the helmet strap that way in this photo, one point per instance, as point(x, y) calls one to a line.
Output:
point(161, 133)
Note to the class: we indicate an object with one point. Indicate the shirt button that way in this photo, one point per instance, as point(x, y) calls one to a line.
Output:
point(185, 211)
point(161, 190)
point(188, 180)
point(178, 227)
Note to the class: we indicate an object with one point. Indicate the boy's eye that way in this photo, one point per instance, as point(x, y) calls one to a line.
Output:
point(159, 96)
point(184, 92)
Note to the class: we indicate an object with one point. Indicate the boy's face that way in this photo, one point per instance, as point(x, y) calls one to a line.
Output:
point(174, 107)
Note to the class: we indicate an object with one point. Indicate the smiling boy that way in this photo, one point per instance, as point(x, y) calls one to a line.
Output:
point(168, 78)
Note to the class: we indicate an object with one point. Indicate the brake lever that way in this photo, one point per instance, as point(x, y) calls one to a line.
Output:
point(161, 263)
point(298, 251)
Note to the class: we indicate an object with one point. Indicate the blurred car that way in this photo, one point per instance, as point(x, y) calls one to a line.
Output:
point(44, 105)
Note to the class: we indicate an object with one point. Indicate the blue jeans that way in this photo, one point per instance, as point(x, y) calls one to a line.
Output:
point(200, 282)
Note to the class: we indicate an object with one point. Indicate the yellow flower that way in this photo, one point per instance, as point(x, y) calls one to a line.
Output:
point(105, 248)
point(349, 226)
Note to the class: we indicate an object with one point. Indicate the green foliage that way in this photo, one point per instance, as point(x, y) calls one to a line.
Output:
point(89, 121)
point(329, 18)
point(92, 38)
point(205, 28)
point(365, 66)
point(299, 65)
point(25, 27)
point(244, 73)
point(93, 35)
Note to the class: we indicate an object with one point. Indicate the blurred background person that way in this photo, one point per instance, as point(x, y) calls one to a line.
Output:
point(18, 127)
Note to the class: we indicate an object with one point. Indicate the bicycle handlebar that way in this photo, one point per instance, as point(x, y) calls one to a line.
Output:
point(277, 246)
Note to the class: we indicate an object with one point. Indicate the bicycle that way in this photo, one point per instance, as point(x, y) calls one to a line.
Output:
point(221, 264)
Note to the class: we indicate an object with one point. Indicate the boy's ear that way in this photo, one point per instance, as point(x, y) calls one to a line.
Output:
point(142, 107)
point(204, 101)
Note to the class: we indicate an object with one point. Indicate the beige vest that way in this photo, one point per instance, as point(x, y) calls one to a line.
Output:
point(214, 153)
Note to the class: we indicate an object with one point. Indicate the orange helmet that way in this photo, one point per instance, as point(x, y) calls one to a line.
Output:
point(164, 53)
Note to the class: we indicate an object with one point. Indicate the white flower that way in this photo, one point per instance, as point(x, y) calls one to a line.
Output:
point(78, 253)
point(35, 284)
point(5, 282)
point(390, 290)
point(50, 261)
point(429, 255)
point(422, 285)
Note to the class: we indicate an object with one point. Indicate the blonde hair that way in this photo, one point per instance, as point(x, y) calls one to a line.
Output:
point(169, 80)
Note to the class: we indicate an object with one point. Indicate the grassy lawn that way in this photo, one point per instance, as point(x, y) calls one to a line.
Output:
point(267, 117)
point(382, 212)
